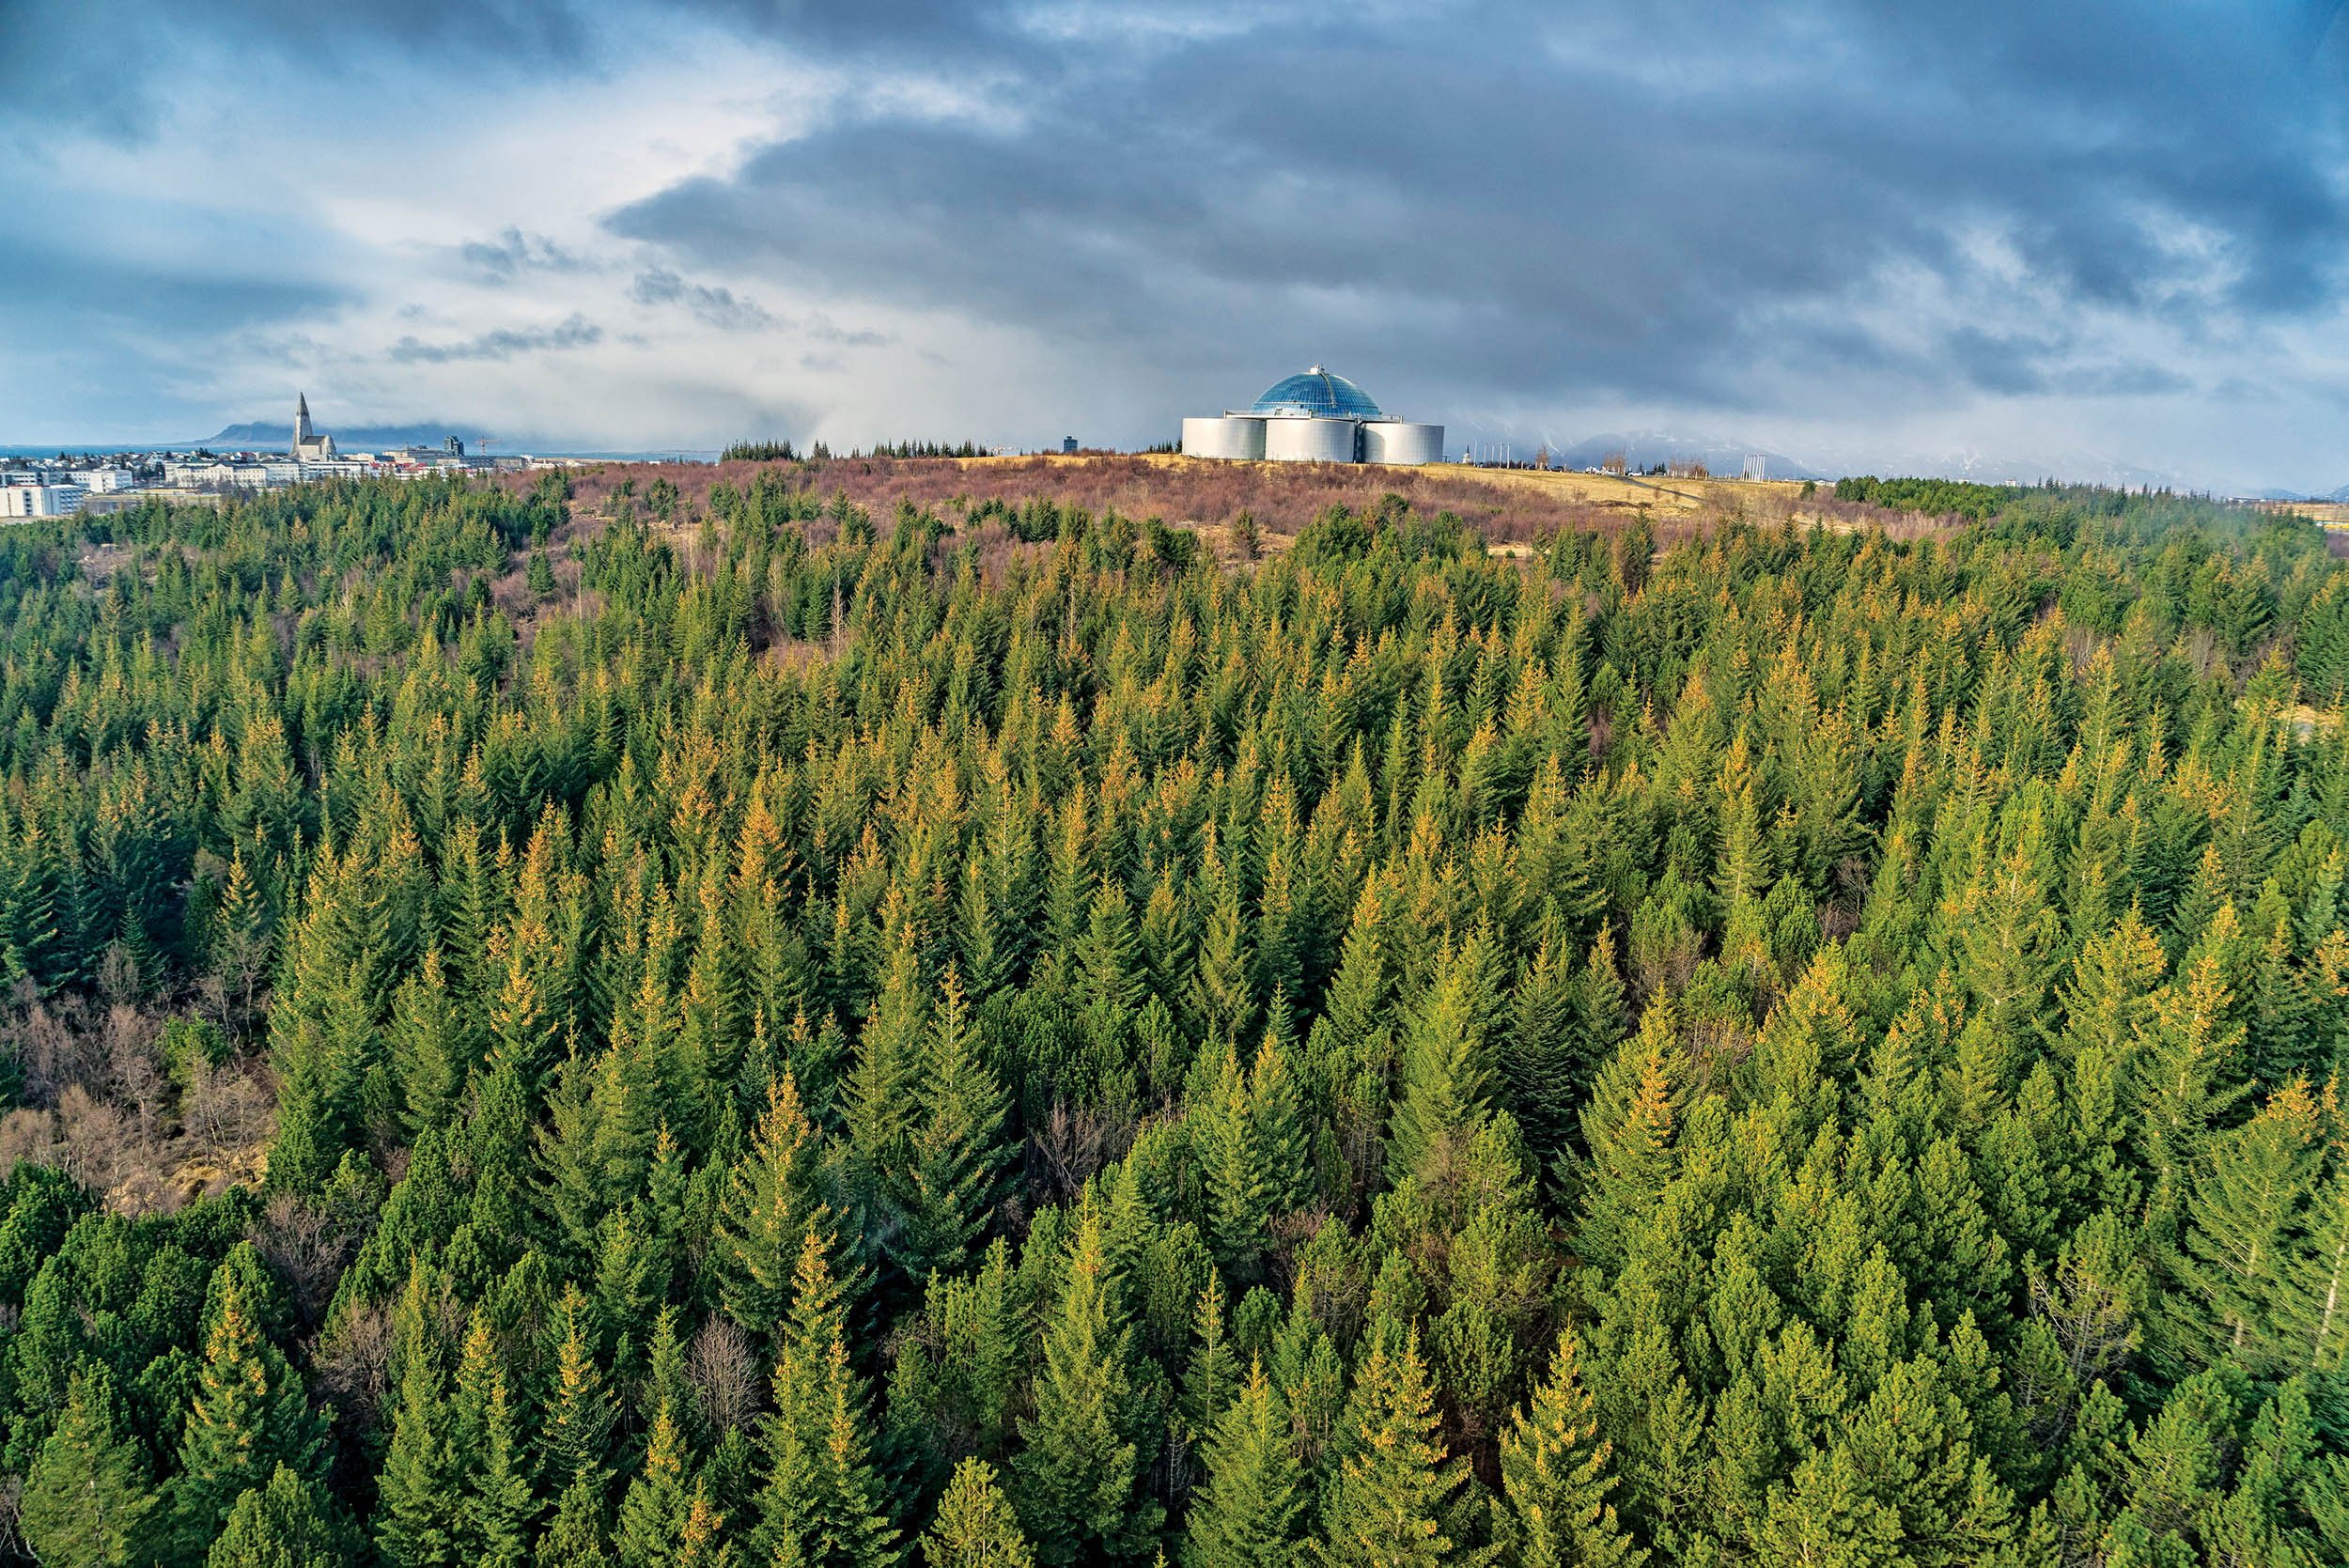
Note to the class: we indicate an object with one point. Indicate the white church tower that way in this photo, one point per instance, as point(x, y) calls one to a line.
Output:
point(309, 447)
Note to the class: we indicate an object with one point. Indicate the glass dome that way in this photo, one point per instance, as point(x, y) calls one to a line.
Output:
point(1320, 394)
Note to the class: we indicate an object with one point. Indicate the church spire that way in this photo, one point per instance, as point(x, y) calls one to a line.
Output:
point(301, 419)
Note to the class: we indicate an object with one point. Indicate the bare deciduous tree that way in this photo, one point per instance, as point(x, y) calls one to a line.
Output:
point(724, 1373)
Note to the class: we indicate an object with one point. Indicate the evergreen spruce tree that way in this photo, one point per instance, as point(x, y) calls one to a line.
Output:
point(1213, 1375)
point(822, 1502)
point(653, 1515)
point(1221, 998)
point(1627, 1129)
point(1446, 1080)
point(975, 1527)
point(2182, 1080)
point(956, 1156)
point(415, 1514)
point(1234, 1180)
point(2244, 1220)
point(495, 1508)
point(879, 1101)
point(2312, 1320)
point(247, 1418)
point(1541, 1053)
point(577, 1536)
point(2109, 998)
point(1280, 1124)
point(1247, 1514)
point(1079, 1469)
point(575, 1428)
point(1554, 1477)
point(431, 1053)
point(282, 1525)
point(1395, 1498)
point(89, 1498)
point(770, 1200)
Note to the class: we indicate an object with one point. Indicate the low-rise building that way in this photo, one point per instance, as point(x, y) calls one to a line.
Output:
point(341, 468)
point(18, 503)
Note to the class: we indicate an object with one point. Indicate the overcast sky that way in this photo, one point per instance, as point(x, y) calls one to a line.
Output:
point(1861, 234)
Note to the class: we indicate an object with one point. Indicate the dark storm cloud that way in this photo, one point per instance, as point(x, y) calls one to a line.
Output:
point(59, 296)
point(1657, 200)
point(94, 64)
point(575, 332)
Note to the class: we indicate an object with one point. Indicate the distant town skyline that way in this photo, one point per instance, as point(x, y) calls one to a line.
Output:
point(2105, 242)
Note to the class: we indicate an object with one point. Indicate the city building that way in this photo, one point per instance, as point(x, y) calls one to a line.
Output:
point(105, 481)
point(308, 446)
point(19, 501)
point(1313, 417)
point(342, 468)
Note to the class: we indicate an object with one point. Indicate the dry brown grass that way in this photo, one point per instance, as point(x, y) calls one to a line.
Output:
point(1281, 497)
point(2332, 514)
point(1510, 508)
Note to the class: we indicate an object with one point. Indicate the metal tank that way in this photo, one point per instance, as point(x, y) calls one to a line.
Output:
point(1396, 440)
point(1231, 436)
point(1310, 441)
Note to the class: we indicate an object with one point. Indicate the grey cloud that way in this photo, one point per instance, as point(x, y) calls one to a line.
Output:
point(514, 253)
point(94, 65)
point(57, 295)
point(1620, 202)
point(574, 331)
point(65, 63)
point(724, 309)
point(2123, 380)
point(717, 307)
point(822, 330)
point(1490, 210)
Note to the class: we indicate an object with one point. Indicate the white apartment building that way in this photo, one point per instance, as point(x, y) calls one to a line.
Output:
point(18, 503)
point(341, 468)
point(105, 481)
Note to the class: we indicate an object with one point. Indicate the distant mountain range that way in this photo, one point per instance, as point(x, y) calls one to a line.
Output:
point(1646, 448)
point(260, 436)
point(2332, 496)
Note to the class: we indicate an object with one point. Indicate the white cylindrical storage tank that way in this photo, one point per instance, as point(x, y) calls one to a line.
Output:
point(1395, 441)
point(1232, 435)
point(1310, 441)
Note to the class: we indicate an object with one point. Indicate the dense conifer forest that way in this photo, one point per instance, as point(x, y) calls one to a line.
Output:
point(764, 1034)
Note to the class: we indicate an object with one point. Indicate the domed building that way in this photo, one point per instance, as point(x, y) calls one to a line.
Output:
point(1316, 417)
